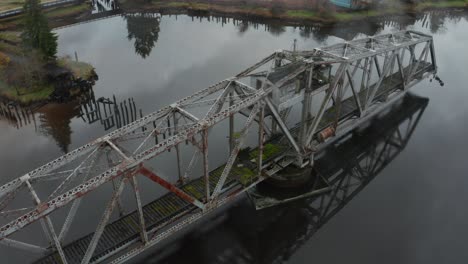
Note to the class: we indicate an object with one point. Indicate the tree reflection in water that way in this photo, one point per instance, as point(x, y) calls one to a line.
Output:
point(144, 29)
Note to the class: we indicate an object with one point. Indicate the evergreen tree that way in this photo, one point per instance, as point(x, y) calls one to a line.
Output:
point(37, 34)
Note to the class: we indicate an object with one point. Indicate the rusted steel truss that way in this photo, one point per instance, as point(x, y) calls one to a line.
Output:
point(333, 89)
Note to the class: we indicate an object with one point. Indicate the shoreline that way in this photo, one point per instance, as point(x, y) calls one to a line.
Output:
point(61, 79)
point(50, 92)
point(72, 13)
point(287, 15)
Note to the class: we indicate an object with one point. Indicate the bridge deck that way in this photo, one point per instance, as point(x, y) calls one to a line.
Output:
point(125, 230)
point(349, 107)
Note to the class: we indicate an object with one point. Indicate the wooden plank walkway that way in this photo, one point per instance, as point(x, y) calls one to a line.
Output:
point(158, 212)
point(126, 228)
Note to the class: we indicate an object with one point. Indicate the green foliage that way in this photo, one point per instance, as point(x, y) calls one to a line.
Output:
point(27, 71)
point(37, 34)
point(4, 60)
point(277, 10)
point(80, 70)
point(303, 14)
point(246, 175)
point(23, 95)
point(10, 36)
point(269, 150)
point(236, 135)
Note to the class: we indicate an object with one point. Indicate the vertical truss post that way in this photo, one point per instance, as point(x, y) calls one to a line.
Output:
point(414, 68)
point(411, 62)
point(400, 69)
point(192, 162)
point(232, 158)
point(339, 99)
point(50, 226)
point(136, 190)
point(377, 66)
point(402, 56)
point(275, 96)
point(364, 75)
point(357, 101)
point(367, 85)
point(103, 222)
point(231, 123)
point(348, 83)
point(261, 116)
point(206, 169)
point(433, 57)
point(179, 169)
point(306, 103)
point(386, 69)
point(111, 164)
point(339, 75)
point(282, 125)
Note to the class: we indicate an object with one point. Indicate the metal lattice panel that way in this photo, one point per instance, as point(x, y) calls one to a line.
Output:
point(324, 93)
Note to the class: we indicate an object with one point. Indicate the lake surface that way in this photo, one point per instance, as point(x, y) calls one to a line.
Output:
point(413, 212)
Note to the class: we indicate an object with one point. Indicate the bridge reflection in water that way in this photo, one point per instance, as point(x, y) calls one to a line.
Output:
point(267, 236)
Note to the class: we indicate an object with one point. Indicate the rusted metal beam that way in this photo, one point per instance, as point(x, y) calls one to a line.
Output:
point(170, 187)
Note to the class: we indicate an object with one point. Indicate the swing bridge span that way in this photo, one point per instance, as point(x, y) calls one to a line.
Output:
point(277, 114)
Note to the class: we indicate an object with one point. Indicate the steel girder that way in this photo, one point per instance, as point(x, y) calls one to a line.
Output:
point(288, 76)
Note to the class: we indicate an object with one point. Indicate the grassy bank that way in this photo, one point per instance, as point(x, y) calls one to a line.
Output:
point(25, 96)
point(11, 51)
point(79, 69)
point(444, 4)
point(57, 16)
point(13, 4)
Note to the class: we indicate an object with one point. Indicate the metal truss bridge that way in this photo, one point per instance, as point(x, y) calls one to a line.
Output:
point(345, 168)
point(171, 168)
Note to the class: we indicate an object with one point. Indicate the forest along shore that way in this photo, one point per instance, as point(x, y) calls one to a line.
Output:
point(30, 72)
point(290, 10)
point(25, 78)
point(286, 11)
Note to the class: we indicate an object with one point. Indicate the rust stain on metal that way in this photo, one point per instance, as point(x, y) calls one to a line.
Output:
point(152, 176)
point(42, 207)
point(326, 133)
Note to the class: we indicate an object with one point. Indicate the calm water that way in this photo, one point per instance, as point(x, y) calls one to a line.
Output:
point(413, 212)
